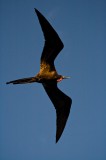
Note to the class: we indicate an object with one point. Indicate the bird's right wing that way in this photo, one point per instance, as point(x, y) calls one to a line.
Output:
point(62, 104)
point(53, 44)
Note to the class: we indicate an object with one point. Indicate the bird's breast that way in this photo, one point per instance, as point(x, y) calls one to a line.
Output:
point(46, 77)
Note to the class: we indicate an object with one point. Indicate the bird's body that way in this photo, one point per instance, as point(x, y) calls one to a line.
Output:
point(48, 75)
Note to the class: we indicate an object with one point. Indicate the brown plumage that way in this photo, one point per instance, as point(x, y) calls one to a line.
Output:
point(48, 75)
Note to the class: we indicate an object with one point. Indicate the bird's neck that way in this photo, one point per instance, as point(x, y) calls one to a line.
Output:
point(59, 79)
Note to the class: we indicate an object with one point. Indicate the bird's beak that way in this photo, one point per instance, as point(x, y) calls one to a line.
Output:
point(66, 77)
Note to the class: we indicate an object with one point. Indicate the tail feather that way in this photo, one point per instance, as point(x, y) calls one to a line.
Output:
point(23, 81)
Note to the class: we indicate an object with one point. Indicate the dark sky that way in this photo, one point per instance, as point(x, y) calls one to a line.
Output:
point(27, 116)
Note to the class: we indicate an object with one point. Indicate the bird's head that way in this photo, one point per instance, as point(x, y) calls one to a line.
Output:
point(61, 78)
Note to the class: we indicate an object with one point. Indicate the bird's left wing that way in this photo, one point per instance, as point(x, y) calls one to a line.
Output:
point(53, 44)
point(62, 104)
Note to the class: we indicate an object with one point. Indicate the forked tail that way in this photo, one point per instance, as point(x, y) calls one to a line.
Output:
point(23, 81)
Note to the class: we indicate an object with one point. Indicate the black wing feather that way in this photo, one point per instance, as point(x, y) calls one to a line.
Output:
point(62, 104)
point(53, 44)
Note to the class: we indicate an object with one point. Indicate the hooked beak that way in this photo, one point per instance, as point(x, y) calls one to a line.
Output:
point(66, 77)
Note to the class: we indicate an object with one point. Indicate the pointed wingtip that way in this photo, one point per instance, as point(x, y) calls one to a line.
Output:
point(35, 9)
point(37, 12)
point(57, 139)
point(62, 117)
point(40, 16)
point(58, 136)
point(59, 133)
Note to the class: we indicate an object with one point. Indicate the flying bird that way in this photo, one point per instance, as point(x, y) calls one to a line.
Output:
point(48, 75)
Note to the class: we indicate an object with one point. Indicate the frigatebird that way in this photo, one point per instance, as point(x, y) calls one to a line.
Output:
point(48, 75)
